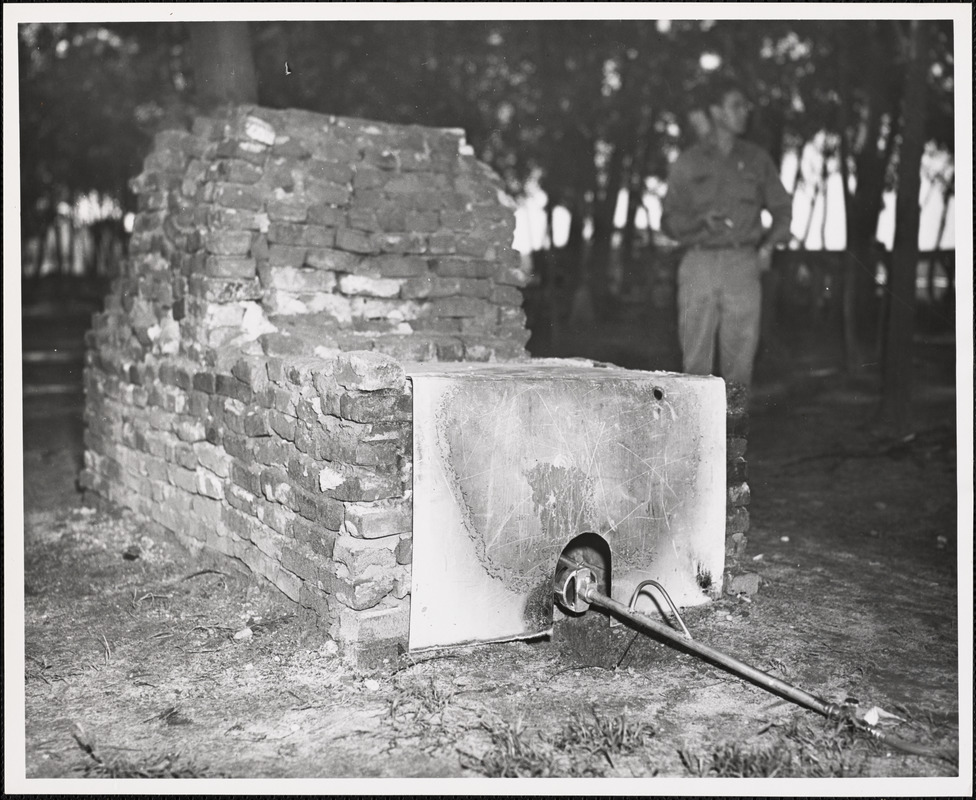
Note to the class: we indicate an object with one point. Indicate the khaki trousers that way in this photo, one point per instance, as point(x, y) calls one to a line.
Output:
point(719, 293)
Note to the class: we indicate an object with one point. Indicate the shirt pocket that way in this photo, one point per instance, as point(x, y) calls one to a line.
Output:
point(748, 188)
point(702, 189)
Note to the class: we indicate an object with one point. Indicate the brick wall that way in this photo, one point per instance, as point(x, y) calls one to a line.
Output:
point(244, 382)
point(737, 511)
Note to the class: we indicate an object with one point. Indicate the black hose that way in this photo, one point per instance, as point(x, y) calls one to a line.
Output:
point(901, 744)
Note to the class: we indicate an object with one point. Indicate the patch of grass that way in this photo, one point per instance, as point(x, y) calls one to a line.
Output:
point(734, 760)
point(514, 754)
point(116, 765)
point(166, 765)
point(418, 711)
point(603, 736)
point(832, 749)
point(798, 749)
point(420, 699)
point(583, 747)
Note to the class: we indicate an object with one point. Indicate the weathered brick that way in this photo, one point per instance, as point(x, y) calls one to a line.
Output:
point(327, 193)
point(404, 549)
point(235, 170)
point(331, 259)
point(183, 454)
point(375, 407)
point(288, 210)
point(366, 219)
point(355, 241)
point(237, 219)
point(737, 425)
point(318, 538)
point(736, 520)
point(450, 350)
point(318, 236)
point(274, 484)
point(246, 476)
point(410, 243)
point(317, 508)
point(428, 286)
point(456, 220)
point(328, 171)
point(459, 307)
point(235, 267)
point(228, 242)
point(190, 430)
point(184, 479)
point(290, 147)
point(286, 233)
point(299, 280)
point(325, 215)
point(369, 371)
point(277, 517)
point(362, 285)
point(239, 498)
point(737, 470)
point(422, 221)
point(280, 255)
point(362, 590)
point(387, 622)
point(463, 268)
point(738, 495)
point(240, 196)
point(215, 459)
point(735, 545)
point(442, 243)
point(735, 448)
point(282, 424)
point(377, 520)
point(306, 567)
point(506, 295)
point(231, 387)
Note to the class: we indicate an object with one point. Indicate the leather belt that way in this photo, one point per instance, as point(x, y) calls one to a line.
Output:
point(724, 247)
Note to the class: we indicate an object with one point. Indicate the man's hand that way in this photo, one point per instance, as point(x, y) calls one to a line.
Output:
point(717, 222)
point(765, 255)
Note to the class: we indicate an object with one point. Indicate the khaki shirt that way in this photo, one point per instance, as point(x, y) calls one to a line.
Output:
point(738, 186)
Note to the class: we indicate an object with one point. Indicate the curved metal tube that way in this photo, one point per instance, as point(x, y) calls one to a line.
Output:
point(674, 609)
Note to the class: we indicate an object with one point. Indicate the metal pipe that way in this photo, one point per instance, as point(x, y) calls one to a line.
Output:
point(587, 594)
point(764, 679)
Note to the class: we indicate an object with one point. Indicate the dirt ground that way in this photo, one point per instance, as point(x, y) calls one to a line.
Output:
point(141, 661)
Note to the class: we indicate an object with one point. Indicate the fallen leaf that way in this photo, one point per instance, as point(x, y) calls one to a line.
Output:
point(875, 714)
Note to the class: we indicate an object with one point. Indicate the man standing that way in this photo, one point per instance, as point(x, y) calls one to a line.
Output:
point(717, 190)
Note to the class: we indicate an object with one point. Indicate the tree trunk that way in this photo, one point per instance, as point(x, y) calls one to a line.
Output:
point(628, 244)
point(604, 209)
point(824, 177)
point(813, 207)
point(223, 64)
point(870, 164)
point(897, 377)
point(582, 311)
point(852, 354)
point(947, 194)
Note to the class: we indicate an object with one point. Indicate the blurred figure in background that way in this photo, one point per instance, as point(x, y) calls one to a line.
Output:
point(717, 190)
